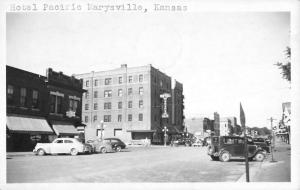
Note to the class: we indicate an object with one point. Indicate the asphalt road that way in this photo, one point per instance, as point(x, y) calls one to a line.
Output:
point(151, 164)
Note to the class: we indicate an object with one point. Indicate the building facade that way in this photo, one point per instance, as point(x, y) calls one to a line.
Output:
point(226, 128)
point(200, 127)
point(126, 103)
point(40, 108)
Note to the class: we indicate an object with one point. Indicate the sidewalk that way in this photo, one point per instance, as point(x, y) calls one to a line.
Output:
point(12, 154)
point(278, 171)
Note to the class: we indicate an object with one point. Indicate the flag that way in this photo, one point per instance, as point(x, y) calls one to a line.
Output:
point(242, 116)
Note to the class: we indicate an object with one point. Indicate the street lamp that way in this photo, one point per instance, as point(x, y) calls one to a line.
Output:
point(165, 135)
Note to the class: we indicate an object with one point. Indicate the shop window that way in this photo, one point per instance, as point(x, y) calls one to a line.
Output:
point(10, 94)
point(35, 99)
point(23, 97)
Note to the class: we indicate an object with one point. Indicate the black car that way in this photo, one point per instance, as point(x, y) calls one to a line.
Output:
point(262, 143)
point(224, 148)
point(116, 143)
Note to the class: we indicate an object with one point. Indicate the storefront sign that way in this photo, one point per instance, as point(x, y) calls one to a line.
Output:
point(165, 96)
point(70, 113)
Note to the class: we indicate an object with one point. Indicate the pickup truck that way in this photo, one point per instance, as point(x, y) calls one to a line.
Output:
point(62, 146)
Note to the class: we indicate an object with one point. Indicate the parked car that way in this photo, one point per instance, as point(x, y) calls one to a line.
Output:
point(224, 148)
point(62, 146)
point(262, 143)
point(116, 143)
point(101, 146)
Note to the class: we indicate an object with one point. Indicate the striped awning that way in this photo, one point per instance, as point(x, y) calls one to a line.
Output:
point(64, 129)
point(28, 124)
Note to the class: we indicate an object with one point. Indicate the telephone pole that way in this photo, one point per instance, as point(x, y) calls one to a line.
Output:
point(273, 139)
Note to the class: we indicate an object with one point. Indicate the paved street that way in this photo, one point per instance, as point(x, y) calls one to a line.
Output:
point(152, 164)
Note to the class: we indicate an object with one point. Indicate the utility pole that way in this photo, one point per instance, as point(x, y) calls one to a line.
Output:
point(273, 139)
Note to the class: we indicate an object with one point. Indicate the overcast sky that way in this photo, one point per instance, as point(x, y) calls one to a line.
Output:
point(221, 58)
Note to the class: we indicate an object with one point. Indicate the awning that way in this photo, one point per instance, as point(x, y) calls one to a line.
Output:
point(26, 124)
point(141, 131)
point(64, 129)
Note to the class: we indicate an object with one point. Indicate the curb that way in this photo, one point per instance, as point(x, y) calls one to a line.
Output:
point(252, 173)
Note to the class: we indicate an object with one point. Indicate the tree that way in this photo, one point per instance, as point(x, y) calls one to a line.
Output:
point(286, 67)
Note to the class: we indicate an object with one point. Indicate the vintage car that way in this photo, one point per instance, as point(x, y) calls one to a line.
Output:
point(62, 146)
point(116, 143)
point(101, 146)
point(261, 142)
point(224, 148)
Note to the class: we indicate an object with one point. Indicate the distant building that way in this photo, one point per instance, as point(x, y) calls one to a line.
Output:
point(198, 126)
point(41, 108)
point(216, 124)
point(128, 102)
point(236, 129)
point(226, 128)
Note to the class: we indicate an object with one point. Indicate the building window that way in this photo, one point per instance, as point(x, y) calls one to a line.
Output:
point(107, 105)
point(96, 94)
point(87, 83)
point(108, 81)
point(141, 90)
point(10, 94)
point(120, 105)
point(129, 117)
point(140, 117)
point(55, 104)
point(96, 82)
point(130, 104)
point(130, 79)
point(95, 118)
point(119, 118)
point(87, 95)
point(95, 106)
point(120, 80)
point(107, 93)
point(86, 119)
point(141, 78)
point(73, 105)
point(86, 107)
point(129, 91)
point(107, 118)
point(141, 104)
point(23, 97)
point(35, 99)
point(120, 92)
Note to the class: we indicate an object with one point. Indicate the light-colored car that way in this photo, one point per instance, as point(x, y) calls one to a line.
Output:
point(62, 146)
point(101, 146)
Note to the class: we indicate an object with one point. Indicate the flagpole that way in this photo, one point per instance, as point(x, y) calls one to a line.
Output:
point(243, 124)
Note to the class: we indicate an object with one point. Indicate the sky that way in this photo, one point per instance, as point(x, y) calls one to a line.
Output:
point(221, 58)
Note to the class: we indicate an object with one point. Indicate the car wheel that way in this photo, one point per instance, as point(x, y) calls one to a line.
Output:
point(103, 150)
point(74, 152)
point(214, 158)
point(41, 152)
point(224, 156)
point(118, 149)
point(259, 157)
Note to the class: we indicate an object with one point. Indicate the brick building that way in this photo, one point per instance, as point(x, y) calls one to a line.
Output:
point(128, 102)
point(40, 108)
point(199, 126)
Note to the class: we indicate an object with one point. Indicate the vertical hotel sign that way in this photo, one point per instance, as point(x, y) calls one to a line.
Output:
point(165, 96)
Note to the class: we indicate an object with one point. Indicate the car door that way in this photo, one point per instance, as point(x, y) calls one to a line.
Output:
point(239, 147)
point(57, 146)
point(68, 145)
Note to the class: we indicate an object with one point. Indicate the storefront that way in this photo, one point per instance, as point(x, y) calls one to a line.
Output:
point(23, 132)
